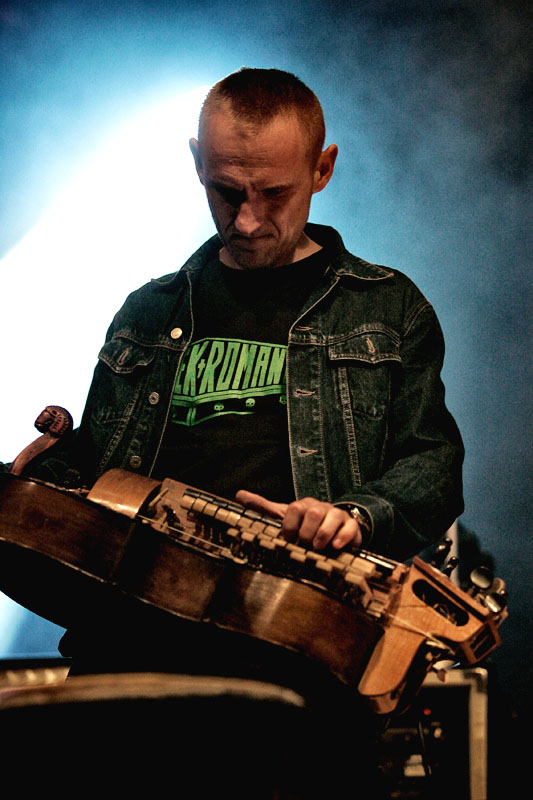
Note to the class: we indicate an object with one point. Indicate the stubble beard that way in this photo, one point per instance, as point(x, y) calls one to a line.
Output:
point(245, 259)
point(272, 254)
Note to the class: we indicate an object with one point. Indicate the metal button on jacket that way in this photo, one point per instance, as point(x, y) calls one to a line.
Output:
point(175, 333)
point(153, 398)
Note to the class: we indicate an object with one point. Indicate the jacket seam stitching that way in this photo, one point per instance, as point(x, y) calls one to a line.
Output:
point(423, 305)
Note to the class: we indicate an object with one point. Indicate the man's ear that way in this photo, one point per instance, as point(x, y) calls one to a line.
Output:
point(324, 168)
point(195, 150)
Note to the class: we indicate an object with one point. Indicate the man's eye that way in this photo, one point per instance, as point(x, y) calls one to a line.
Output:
point(232, 196)
point(274, 193)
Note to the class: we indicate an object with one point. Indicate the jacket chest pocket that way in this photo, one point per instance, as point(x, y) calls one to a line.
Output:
point(124, 369)
point(364, 364)
point(124, 356)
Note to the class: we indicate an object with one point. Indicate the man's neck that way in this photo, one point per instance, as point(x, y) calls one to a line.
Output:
point(307, 248)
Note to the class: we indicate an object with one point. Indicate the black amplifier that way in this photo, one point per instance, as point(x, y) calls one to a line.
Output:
point(439, 747)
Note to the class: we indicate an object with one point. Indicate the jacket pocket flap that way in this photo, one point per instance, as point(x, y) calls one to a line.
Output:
point(124, 356)
point(371, 346)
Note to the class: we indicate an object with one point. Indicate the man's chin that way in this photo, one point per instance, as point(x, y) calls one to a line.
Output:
point(250, 258)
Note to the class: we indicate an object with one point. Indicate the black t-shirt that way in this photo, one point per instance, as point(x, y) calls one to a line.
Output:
point(227, 428)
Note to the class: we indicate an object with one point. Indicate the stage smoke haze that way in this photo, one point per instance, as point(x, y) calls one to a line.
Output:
point(427, 102)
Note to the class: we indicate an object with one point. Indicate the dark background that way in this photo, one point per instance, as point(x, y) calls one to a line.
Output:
point(427, 102)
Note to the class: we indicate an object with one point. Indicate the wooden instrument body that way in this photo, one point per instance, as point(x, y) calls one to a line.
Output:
point(370, 621)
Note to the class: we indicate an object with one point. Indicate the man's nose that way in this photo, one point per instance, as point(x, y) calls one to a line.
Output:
point(248, 219)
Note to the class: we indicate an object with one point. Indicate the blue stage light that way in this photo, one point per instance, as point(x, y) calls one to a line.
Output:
point(135, 210)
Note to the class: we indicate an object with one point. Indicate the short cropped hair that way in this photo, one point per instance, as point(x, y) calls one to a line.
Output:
point(256, 96)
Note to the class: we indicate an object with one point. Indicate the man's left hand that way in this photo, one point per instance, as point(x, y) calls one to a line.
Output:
point(310, 522)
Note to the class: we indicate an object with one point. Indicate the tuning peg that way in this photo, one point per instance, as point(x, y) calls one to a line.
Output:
point(496, 598)
point(481, 579)
point(498, 587)
point(441, 551)
point(450, 566)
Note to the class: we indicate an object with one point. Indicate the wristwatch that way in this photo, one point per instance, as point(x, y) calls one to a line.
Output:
point(361, 518)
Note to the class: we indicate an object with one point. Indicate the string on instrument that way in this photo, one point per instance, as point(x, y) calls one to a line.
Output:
point(431, 640)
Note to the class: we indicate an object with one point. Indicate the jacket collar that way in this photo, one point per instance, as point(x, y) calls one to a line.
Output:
point(343, 262)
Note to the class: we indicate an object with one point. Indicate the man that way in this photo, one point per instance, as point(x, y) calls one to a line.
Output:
point(274, 366)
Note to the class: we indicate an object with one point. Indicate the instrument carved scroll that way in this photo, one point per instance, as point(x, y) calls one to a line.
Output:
point(53, 422)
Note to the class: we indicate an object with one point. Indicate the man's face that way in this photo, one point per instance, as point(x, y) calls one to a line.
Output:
point(259, 186)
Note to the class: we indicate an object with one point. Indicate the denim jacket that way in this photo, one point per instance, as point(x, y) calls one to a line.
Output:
point(367, 421)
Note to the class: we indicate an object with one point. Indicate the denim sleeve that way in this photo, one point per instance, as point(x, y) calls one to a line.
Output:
point(419, 495)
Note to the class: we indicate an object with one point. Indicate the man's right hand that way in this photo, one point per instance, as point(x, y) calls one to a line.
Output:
point(310, 522)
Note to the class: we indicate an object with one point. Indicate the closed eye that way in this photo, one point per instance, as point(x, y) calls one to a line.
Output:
point(234, 197)
point(275, 192)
